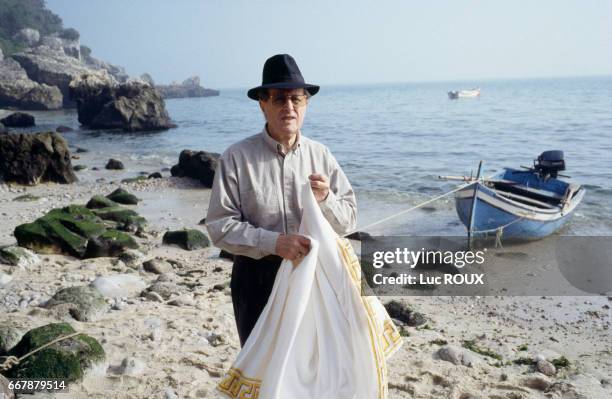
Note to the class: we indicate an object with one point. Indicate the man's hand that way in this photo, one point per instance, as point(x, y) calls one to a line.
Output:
point(292, 246)
point(320, 186)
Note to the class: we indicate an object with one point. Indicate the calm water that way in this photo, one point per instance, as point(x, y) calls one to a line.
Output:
point(394, 140)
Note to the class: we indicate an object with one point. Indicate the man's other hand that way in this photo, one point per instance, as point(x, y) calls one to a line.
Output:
point(292, 246)
point(320, 186)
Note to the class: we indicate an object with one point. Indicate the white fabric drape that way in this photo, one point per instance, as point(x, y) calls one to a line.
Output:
point(317, 337)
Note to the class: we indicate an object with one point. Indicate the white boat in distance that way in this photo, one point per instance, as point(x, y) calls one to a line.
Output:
point(455, 94)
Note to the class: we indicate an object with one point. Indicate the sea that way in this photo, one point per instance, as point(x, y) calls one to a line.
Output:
point(394, 140)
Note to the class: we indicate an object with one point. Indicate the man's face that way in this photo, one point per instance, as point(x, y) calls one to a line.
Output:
point(284, 117)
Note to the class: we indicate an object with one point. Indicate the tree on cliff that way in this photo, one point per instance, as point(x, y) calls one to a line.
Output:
point(19, 14)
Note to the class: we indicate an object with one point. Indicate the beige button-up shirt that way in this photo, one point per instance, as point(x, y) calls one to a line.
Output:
point(256, 193)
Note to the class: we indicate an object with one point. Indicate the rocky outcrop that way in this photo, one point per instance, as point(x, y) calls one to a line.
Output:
point(199, 165)
point(132, 106)
point(18, 119)
point(27, 36)
point(34, 158)
point(17, 90)
point(189, 88)
point(50, 65)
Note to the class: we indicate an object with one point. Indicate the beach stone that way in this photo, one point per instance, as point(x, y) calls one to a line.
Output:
point(157, 266)
point(402, 312)
point(9, 337)
point(166, 289)
point(131, 366)
point(63, 129)
point(122, 196)
point(170, 394)
point(215, 339)
point(5, 391)
point(18, 119)
point(5, 279)
point(102, 103)
point(69, 359)
point(155, 175)
point(199, 165)
point(119, 285)
point(360, 236)
point(78, 168)
point(456, 356)
point(545, 367)
point(61, 231)
point(536, 382)
point(84, 303)
point(188, 239)
point(153, 296)
point(18, 256)
point(132, 258)
point(114, 164)
point(35, 158)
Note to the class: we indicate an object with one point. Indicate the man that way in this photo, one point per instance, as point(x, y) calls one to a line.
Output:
point(255, 209)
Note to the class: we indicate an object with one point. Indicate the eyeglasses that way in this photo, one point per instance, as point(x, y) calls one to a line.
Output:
point(298, 100)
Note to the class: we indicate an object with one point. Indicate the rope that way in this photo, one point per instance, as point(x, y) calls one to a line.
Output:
point(499, 231)
point(13, 360)
point(460, 187)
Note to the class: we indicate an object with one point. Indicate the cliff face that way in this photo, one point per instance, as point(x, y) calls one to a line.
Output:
point(189, 88)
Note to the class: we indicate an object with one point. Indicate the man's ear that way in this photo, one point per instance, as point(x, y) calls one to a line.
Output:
point(262, 108)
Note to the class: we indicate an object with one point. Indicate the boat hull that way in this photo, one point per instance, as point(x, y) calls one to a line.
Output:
point(494, 212)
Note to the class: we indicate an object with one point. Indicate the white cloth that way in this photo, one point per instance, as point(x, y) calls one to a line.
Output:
point(317, 337)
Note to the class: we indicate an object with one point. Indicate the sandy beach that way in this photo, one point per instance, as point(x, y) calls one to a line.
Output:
point(180, 347)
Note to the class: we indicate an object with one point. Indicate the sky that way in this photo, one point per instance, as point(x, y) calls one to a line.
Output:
point(347, 42)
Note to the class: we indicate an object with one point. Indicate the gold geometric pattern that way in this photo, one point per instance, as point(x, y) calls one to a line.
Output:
point(235, 385)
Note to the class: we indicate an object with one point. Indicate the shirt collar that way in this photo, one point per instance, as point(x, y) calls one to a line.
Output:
point(277, 147)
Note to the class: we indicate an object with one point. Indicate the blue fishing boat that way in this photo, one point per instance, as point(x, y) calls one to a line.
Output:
point(528, 203)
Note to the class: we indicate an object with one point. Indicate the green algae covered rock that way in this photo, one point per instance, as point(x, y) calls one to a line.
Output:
point(126, 219)
point(110, 243)
point(83, 303)
point(188, 239)
point(68, 359)
point(62, 230)
point(123, 197)
point(99, 201)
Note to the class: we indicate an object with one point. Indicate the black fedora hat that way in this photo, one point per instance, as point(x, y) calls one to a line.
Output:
point(281, 72)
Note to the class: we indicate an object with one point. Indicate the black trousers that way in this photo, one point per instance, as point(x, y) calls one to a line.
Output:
point(252, 282)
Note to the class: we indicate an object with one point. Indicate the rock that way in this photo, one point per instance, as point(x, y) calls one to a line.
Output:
point(215, 339)
point(114, 164)
point(145, 77)
point(155, 175)
point(99, 201)
point(18, 256)
point(190, 87)
point(17, 90)
point(119, 285)
point(3, 129)
point(63, 129)
point(187, 239)
point(536, 382)
point(360, 236)
point(545, 367)
point(456, 356)
point(35, 158)
point(69, 359)
point(27, 36)
point(157, 266)
point(165, 289)
point(153, 296)
point(18, 119)
point(5, 391)
point(5, 280)
point(131, 106)
point(117, 72)
point(403, 313)
point(109, 243)
point(126, 219)
point(122, 196)
point(132, 258)
point(26, 198)
point(61, 231)
point(83, 303)
point(181, 302)
point(9, 337)
point(199, 165)
point(170, 394)
point(131, 366)
point(226, 255)
point(78, 168)
point(49, 64)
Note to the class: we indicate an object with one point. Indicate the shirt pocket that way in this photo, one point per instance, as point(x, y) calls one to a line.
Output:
point(260, 207)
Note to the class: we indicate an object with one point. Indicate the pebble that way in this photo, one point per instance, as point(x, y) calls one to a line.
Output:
point(131, 366)
point(456, 356)
point(545, 367)
point(170, 394)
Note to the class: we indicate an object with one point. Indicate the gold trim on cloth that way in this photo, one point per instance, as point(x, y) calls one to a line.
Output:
point(236, 385)
point(351, 262)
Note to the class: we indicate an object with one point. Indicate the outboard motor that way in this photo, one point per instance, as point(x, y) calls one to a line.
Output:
point(549, 163)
